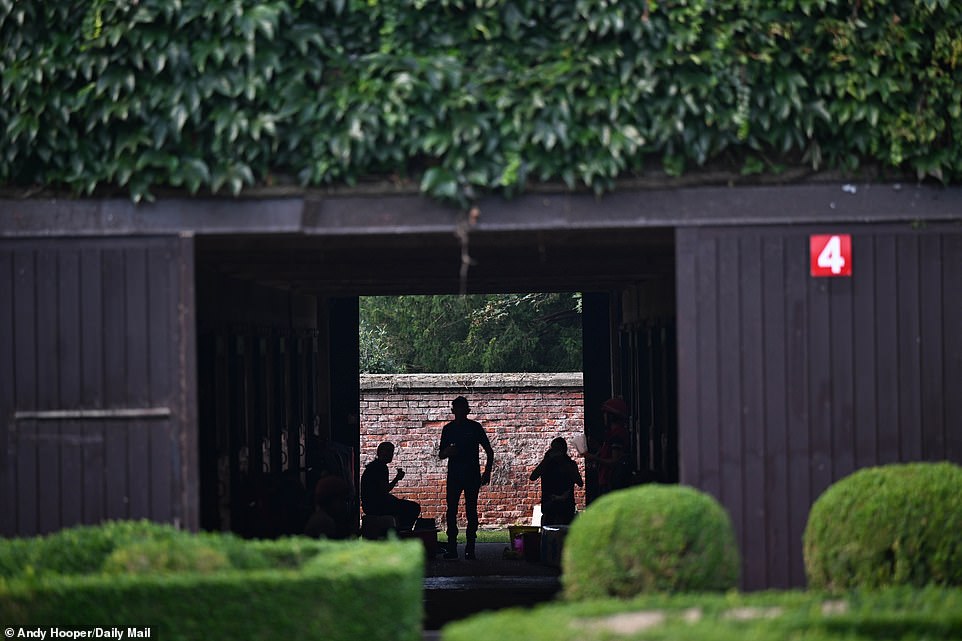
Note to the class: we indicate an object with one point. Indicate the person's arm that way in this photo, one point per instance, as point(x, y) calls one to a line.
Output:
point(537, 471)
point(576, 474)
point(397, 477)
point(617, 452)
point(446, 448)
point(489, 452)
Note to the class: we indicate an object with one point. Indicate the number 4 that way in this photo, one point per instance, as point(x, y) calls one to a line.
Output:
point(831, 256)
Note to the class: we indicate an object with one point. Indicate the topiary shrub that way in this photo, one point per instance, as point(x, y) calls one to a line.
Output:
point(650, 538)
point(153, 557)
point(199, 586)
point(897, 524)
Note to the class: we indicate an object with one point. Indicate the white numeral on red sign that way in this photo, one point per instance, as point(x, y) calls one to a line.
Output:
point(831, 256)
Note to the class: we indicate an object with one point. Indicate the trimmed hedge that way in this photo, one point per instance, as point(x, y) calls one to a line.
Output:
point(900, 614)
point(889, 525)
point(467, 96)
point(650, 538)
point(291, 588)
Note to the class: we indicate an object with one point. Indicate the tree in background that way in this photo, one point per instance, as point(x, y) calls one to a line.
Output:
point(537, 332)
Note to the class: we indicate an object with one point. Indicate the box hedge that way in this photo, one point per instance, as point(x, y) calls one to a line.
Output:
point(204, 586)
point(904, 614)
point(650, 538)
point(888, 525)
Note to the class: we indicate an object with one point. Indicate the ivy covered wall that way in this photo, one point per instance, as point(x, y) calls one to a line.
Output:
point(465, 96)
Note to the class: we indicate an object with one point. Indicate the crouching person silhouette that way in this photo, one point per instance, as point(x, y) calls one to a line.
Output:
point(376, 497)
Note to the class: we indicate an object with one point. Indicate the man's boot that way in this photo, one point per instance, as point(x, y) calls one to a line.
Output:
point(451, 550)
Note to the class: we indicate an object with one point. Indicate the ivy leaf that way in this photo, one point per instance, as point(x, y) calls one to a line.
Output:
point(439, 181)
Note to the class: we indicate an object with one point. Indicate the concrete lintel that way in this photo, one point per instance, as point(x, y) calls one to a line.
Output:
point(392, 214)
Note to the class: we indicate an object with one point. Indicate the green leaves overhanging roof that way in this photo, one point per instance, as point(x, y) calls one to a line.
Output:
point(470, 96)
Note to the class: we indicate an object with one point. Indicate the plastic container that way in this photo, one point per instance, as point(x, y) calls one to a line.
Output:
point(552, 542)
point(516, 533)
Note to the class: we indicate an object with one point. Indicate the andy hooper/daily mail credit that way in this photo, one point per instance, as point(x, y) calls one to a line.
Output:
point(118, 634)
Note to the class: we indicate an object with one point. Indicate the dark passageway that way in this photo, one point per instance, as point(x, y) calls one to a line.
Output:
point(277, 355)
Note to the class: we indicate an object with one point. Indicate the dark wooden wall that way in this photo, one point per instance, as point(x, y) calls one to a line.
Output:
point(97, 401)
point(259, 407)
point(788, 383)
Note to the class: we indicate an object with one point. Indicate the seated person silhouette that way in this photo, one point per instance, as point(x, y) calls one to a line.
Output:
point(376, 497)
point(559, 474)
point(332, 513)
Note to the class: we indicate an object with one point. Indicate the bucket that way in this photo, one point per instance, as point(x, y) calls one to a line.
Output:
point(516, 533)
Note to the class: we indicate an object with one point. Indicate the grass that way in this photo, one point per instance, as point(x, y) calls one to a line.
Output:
point(484, 536)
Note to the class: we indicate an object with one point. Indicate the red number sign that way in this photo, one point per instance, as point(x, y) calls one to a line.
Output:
point(831, 254)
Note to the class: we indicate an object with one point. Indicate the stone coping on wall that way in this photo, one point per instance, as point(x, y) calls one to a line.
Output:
point(453, 382)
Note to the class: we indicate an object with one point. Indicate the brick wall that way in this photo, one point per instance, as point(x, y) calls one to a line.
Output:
point(520, 412)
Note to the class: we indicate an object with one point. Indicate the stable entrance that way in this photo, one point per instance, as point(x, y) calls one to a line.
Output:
point(278, 344)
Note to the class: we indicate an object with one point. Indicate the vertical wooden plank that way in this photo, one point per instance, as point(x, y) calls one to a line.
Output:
point(671, 400)
point(140, 464)
point(841, 364)
point(92, 327)
point(25, 387)
point(275, 405)
point(183, 309)
point(708, 430)
point(46, 434)
point(932, 364)
point(909, 345)
point(295, 414)
point(236, 430)
point(94, 485)
point(47, 320)
point(864, 277)
point(730, 420)
point(796, 313)
point(160, 324)
point(160, 393)
point(225, 490)
point(113, 339)
point(258, 404)
point(113, 330)
point(136, 334)
point(887, 349)
point(94, 472)
point(8, 339)
point(820, 384)
point(137, 390)
point(951, 321)
point(281, 417)
point(70, 374)
point(207, 425)
point(777, 462)
point(753, 378)
point(70, 370)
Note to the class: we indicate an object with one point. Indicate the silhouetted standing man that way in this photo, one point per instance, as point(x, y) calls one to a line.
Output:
point(460, 440)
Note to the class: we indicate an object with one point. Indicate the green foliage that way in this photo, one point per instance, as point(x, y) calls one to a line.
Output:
point(202, 586)
point(77, 550)
point(468, 96)
point(889, 525)
point(476, 333)
point(155, 557)
point(895, 614)
point(650, 538)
